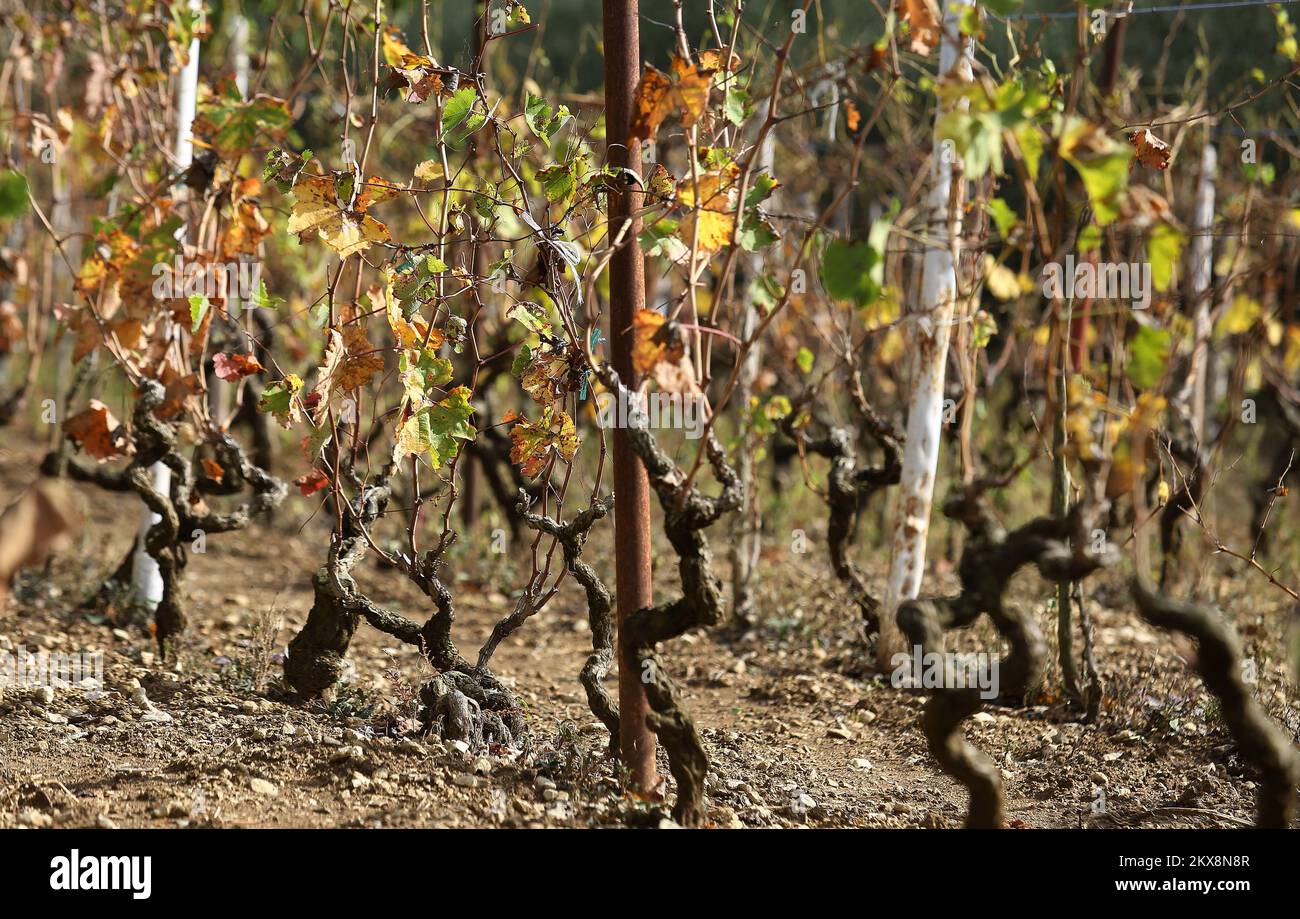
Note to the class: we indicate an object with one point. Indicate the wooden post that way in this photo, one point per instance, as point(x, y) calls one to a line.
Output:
point(928, 331)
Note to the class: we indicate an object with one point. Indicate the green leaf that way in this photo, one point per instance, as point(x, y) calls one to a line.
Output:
point(263, 299)
point(977, 138)
point(756, 233)
point(736, 107)
point(1031, 146)
point(456, 139)
point(1089, 238)
point(281, 399)
point(422, 372)
point(1163, 249)
point(540, 120)
point(804, 360)
point(458, 108)
point(13, 193)
point(761, 190)
point(558, 182)
point(530, 316)
point(660, 239)
point(234, 127)
point(433, 430)
point(765, 293)
point(1148, 353)
point(1004, 218)
point(523, 360)
point(1104, 178)
point(855, 272)
point(1101, 163)
point(848, 272)
point(198, 309)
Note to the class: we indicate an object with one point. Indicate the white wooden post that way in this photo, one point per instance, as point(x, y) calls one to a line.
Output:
point(1202, 276)
point(928, 328)
point(145, 577)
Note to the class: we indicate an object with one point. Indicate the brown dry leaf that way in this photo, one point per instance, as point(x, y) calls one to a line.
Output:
point(925, 27)
point(88, 338)
point(655, 340)
point(712, 60)
point(685, 91)
point(317, 209)
point(676, 377)
point(423, 78)
point(1143, 207)
point(1152, 152)
point(547, 377)
point(363, 359)
point(662, 183)
point(410, 333)
point(96, 431)
point(248, 227)
point(350, 362)
point(212, 470)
point(533, 444)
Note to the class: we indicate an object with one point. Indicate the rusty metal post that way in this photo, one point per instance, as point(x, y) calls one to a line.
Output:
point(627, 295)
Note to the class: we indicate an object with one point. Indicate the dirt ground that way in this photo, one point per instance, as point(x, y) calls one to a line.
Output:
point(800, 732)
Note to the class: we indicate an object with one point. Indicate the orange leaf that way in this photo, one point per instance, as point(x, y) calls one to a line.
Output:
point(212, 469)
point(852, 116)
point(657, 95)
point(178, 394)
point(925, 27)
point(1152, 152)
point(655, 340)
point(96, 431)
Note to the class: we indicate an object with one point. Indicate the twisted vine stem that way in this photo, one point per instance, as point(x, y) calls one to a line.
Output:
point(573, 537)
point(1219, 663)
point(687, 513)
point(1059, 548)
point(468, 701)
point(849, 487)
point(181, 519)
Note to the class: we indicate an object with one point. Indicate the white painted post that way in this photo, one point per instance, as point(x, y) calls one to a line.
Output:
point(145, 577)
point(929, 328)
point(1202, 276)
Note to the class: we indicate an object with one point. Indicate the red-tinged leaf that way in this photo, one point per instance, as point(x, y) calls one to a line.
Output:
point(311, 482)
point(231, 367)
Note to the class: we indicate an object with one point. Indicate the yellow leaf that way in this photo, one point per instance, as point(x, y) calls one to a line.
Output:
point(1000, 280)
point(317, 209)
point(1239, 317)
point(715, 217)
point(429, 171)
